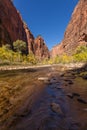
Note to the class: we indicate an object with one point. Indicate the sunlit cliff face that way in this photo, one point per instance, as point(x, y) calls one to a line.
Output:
point(76, 31)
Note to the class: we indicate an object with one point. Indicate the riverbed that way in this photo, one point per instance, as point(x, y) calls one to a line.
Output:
point(46, 98)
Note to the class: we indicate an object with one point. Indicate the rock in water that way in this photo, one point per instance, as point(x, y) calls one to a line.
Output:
point(58, 87)
point(82, 100)
point(84, 77)
point(56, 108)
point(43, 78)
point(70, 95)
point(76, 94)
point(85, 109)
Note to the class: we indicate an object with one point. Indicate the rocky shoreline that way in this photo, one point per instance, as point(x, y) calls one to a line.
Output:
point(63, 66)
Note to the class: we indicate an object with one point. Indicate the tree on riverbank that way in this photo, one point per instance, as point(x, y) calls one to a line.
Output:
point(20, 46)
point(80, 55)
point(8, 56)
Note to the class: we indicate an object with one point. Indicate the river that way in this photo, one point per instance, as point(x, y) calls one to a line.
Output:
point(58, 102)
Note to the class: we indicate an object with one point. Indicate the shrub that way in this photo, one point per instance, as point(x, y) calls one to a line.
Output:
point(31, 58)
point(80, 54)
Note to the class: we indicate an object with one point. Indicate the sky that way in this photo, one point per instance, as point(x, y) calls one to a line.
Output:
point(48, 18)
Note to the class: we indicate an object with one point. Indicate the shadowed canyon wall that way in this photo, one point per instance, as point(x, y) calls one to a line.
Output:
point(13, 28)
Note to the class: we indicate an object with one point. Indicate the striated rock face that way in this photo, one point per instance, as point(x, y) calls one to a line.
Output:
point(11, 24)
point(30, 39)
point(40, 48)
point(54, 52)
point(13, 28)
point(76, 32)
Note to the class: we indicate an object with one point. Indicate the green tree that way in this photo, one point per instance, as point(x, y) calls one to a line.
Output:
point(19, 46)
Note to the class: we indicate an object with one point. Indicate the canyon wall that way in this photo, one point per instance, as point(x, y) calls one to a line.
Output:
point(11, 24)
point(40, 48)
point(76, 31)
point(13, 28)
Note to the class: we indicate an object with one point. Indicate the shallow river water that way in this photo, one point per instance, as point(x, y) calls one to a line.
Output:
point(59, 102)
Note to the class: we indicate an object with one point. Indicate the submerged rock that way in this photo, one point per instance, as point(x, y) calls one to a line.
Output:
point(84, 77)
point(85, 109)
point(62, 75)
point(82, 100)
point(56, 108)
point(43, 78)
point(58, 87)
point(70, 95)
point(69, 81)
point(25, 114)
point(76, 94)
point(46, 80)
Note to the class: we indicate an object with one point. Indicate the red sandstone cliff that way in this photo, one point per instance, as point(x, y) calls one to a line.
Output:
point(13, 28)
point(11, 24)
point(30, 39)
point(40, 48)
point(76, 31)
